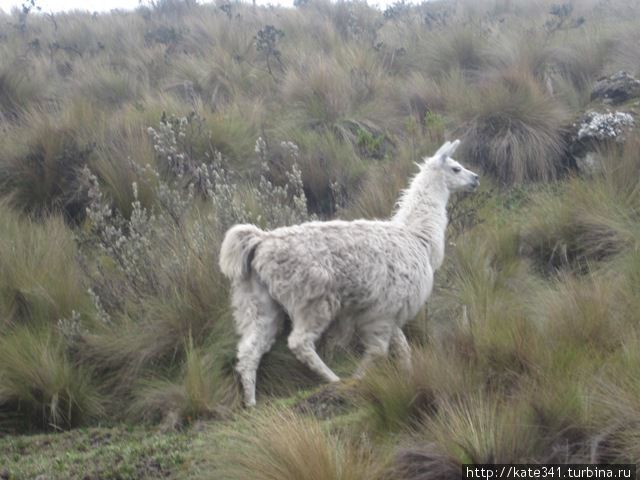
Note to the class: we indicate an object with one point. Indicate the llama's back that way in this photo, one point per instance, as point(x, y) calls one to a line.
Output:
point(367, 267)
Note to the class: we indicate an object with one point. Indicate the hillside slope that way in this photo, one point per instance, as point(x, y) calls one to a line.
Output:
point(132, 140)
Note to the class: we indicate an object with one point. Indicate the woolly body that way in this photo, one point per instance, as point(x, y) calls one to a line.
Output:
point(374, 275)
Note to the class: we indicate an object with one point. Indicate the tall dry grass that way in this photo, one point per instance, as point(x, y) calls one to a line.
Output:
point(342, 103)
point(276, 444)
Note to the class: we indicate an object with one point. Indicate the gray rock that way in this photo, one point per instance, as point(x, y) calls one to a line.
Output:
point(605, 126)
point(591, 132)
point(616, 89)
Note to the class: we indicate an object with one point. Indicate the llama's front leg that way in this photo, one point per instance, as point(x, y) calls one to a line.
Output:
point(302, 344)
point(400, 347)
point(376, 341)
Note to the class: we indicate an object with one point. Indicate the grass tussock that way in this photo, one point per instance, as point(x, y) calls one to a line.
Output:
point(320, 91)
point(381, 188)
point(584, 312)
point(108, 87)
point(564, 234)
point(40, 386)
point(398, 400)
point(41, 160)
point(21, 87)
point(627, 58)
point(199, 392)
point(588, 221)
point(474, 430)
point(615, 400)
point(455, 50)
point(181, 298)
point(514, 128)
point(40, 278)
point(482, 430)
point(279, 444)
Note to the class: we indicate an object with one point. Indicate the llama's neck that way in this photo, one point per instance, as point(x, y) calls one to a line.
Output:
point(423, 210)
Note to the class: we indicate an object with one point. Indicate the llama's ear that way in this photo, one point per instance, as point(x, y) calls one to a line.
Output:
point(446, 150)
point(442, 150)
point(453, 147)
point(442, 153)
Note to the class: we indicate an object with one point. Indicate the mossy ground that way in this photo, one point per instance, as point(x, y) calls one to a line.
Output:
point(96, 453)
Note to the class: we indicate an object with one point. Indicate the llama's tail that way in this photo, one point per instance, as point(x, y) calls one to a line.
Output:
point(237, 250)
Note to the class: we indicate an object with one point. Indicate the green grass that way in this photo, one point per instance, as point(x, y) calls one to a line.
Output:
point(115, 452)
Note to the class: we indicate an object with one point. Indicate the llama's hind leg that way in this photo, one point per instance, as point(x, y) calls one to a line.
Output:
point(259, 326)
point(308, 326)
point(251, 348)
point(376, 339)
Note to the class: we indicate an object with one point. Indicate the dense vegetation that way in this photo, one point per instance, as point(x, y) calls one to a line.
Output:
point(132, 140)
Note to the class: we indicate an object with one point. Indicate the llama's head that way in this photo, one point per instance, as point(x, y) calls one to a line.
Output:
point(454, 175)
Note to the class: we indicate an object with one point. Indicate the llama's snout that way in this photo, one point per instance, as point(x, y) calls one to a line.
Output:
point(473, 182)
point(476, 181)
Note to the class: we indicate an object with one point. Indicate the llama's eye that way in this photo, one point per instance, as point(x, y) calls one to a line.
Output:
point(456, 169)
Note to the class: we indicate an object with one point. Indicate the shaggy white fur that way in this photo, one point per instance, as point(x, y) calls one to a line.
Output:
point(374, 274)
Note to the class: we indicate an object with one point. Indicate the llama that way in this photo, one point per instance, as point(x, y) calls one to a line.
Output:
point(375, 274)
